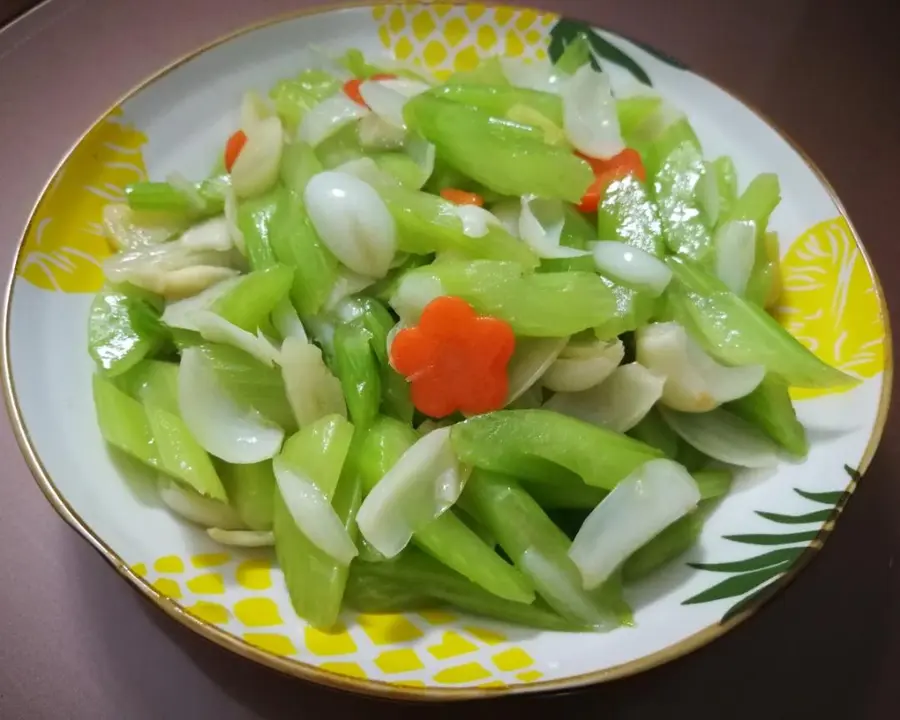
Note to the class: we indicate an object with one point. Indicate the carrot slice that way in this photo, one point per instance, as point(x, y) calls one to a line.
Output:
point(462, 197)
point(233, 148)
point(627, 162)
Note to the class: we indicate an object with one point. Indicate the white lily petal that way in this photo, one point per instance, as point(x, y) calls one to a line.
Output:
point(329, 116)
point(312, 390)
point(407, 87)
point(422, 153)
point(256, 167)
point(638, 509)
point(384, 102)
point(230, 431)
point(180, 314)
point(231, 218)
point(735, 245)
point(129, 229)
point(313, 513)
point(529, 362)
point(242, 538)
point(476, 220)
point(589, 114)
point(413, 293)
point(210, 234)
point(193, 506)
point(254, 109)
point(347, 283)
point(583, 365)
point(287, 322)
point(533, 76)
point(540, 226)
point(508, 212)
point(376, 133)
point(215, 328)
point(631, 266)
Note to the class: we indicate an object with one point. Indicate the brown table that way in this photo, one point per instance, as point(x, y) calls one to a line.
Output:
point(77, 642)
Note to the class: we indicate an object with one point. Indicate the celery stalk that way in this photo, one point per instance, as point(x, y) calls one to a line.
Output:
point(539, 305)
point(526, 533)
point(123, 422)
point(314, 581)
point(161, 196)
point(123, 328)
point(368, 593)
point(654, 431)
point(634, 308)
point(628, 214)
point(413, 573)
point(250, 301)
point(522, 443)
point(488, 72)
point(446, 538)
point(251, 492)
point(565, 492)
point(676, 186)
point(672, 542)
point(473, 141)
point(633, 112)
point(769, 407)
point(712, 483)
point(340, 147)
point(254, 219)
point(741, 333)
point(357, 368)
point(672, 136)
point(500, 99)
point(296, 244)
point(293, 97)
point(298, 164)
point(726, 182)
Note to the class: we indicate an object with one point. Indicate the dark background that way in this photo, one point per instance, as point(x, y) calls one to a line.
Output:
point(77, 642)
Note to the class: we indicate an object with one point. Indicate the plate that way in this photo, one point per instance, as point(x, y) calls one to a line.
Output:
point(751, 546)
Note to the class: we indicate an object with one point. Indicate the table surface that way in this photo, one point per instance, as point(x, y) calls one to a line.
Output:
point(77, 642)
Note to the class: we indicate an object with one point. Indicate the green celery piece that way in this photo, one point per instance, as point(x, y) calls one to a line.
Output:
point(123, 328)
point(676, 188)
point(498, 100)
point(655, 431)
point(522, 528)
point(368, 593)
point(765, 278)
point(386, 288)
point(578, 52)
point(712, 483)
point(296, 244)
point(399, 166)
point(395, 396)
point(293, 97)
point(152, 382)
point(250, 382)
point(672, 136)
point(634, 309)
point(672, 542)
point(483, 147)
point(692, 458)
point(552, 304)
point(161, 196)
point(635, 111)
point(488, 72)
point(427, 224)
point(355, 62)
point(248, 303)
point(740, 333)
point(356, 366)
point(577, 230)
point(123, 422)
point(251, 492)
point(340, 147)
point(314, 581)
point(628, 214)
point(255, 220)
point(565, 492)
point(298, 164)
point(726, 180)
point(413, 572)
point(769, 407)
point(522, 443)
point(447, 538)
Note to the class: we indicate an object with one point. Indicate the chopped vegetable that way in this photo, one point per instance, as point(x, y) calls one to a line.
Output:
point(233, 148)
point(461, 197)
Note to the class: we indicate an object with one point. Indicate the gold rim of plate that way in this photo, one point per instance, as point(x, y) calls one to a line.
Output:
point(307, 671)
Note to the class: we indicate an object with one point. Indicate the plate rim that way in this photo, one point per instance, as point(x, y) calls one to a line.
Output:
point(379, 688)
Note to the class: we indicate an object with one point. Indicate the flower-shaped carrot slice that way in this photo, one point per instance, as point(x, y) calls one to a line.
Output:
point(454, 359)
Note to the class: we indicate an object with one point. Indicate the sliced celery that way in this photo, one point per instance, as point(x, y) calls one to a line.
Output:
point(741, 333)
point(248, 303)
point(676, 187)
point(123, 422)
point(628, 214)
point(475, 143)
point(578, 52)
point(254, 219)
point(672, 542)
point(726, 181)
point(314, 581)
point(672, 136)
point(500, 99)
point(635, 111)
point(123, 328)
point(152, 382)
point(515, 442)
point(368, 593)
point(296, 244)
point(162, 196)
point(769, 407)
point(565, 492)
point(357, 368)
point(634, 308)
point(534, 544)
point(447, 538)
point(712, 483)
point(340, 147)
point(539, 305)
point(298, 164)
point(488, 72)
point(293, 97)
point(654, 431)
point(251, 492)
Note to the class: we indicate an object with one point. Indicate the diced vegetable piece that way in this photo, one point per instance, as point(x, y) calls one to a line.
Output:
point(298, 164)
point(589, 114)
point(293, 97)
point(583, 365)
point(467, 138)
point(296, 244)
point(129, 229)
point(488, 72)
point(740, 333)
point(357, 368)
point(255, 169)
point(769, 407)
point(634, 111)
point(447, 538)
point(315, 582)
point(565, 492)
point(633, 309)
point(217, 329)
point(632, 267)
point(654, 431)
point(312, 391)
point(676, 188)
point(500, 99)
point(639, 508)
point(123, 328)
point(233, 148)
point(529, 362)
point(540, 305)
point(712, 483)
point(724, 436)
point(123, 422)
point(536, 545)
point(626, 213)
point(254, 220)
point(248, 302)
point(577, 53)
point(672, 542)
point(192, 506)
point(719, 190)
point(414, 569)
point(152, 382)
point(526, 443)
point(330, 117)
point(251, 492)
point(673, 135)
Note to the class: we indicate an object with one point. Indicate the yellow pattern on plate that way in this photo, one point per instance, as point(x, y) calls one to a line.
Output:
point(66, 242)
point(444, 38)
point(829, 302)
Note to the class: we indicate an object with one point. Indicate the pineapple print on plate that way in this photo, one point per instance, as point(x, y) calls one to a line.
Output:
point(244, 595)
point(446, 38)
point(829, 302)
point(66, 242)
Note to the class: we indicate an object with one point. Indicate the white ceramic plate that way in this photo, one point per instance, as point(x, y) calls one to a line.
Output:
point(178, 121)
